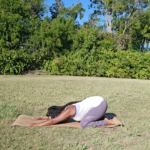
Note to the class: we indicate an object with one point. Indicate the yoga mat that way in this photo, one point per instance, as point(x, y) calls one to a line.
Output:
point(23, 120)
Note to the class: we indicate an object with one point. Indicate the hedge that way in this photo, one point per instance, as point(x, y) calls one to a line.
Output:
point(122, 64)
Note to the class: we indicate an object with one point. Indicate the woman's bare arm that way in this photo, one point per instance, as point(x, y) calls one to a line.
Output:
point(65, 114)
point(42, 118)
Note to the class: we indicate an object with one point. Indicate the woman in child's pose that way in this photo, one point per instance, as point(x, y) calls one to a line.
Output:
point(88, 111)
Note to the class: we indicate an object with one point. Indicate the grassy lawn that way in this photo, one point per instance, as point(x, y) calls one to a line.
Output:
point(32, 95)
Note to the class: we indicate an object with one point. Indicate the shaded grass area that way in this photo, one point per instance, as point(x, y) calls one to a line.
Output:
point(32, 95)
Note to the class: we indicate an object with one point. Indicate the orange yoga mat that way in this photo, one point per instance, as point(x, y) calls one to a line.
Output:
point(23, 120)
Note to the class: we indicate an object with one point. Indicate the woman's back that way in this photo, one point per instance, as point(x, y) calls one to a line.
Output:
point(85, 105)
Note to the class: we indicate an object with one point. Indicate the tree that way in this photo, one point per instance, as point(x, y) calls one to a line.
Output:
point(105, 8)
point(74, 11)
point(145, 29)
point(119, 15)
point(124, 18)
point(139, 32)
point(53, 37)
point(15, 21)
point(54, 9)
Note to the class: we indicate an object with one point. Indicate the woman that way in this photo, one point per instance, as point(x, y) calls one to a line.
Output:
point(87, 111)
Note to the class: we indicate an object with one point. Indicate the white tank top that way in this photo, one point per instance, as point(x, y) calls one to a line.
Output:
point(85, 105)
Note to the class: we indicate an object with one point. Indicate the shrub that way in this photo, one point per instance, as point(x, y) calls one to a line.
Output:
point(14, 62)
point(122, 64)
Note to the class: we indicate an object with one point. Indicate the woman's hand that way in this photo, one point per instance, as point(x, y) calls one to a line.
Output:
point(61, 117)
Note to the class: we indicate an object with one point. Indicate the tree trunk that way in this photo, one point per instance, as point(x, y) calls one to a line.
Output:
point(108, 22)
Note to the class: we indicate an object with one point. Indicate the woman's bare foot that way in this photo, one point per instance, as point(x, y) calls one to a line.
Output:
point(109, 122)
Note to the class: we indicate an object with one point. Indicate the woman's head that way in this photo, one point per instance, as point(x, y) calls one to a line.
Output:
point(54, 111)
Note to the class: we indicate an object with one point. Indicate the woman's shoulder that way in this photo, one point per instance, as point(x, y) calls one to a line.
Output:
point(71, 109)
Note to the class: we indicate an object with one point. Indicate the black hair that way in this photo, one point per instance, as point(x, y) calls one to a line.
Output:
point(54, 111)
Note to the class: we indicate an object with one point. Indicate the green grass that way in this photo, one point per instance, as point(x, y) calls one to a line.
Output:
point(32, 95)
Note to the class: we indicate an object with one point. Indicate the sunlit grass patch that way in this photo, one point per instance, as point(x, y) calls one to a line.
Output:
point(32, 95)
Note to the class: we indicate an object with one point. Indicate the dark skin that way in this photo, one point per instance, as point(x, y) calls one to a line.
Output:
point(64, 116)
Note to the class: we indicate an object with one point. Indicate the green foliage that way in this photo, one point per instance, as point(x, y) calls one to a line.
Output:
point(53, 36)
point(15, 16)
point(54, 9)
point(122, 64)
point(14, 62)
point(127, 17)
point(62, 46)
point(74, 11)
point(87, 39)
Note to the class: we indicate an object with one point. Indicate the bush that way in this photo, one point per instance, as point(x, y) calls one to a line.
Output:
point(18, 61)
point(122, 64)
point(14, 62)
point(99, 63)
point(90, 38)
